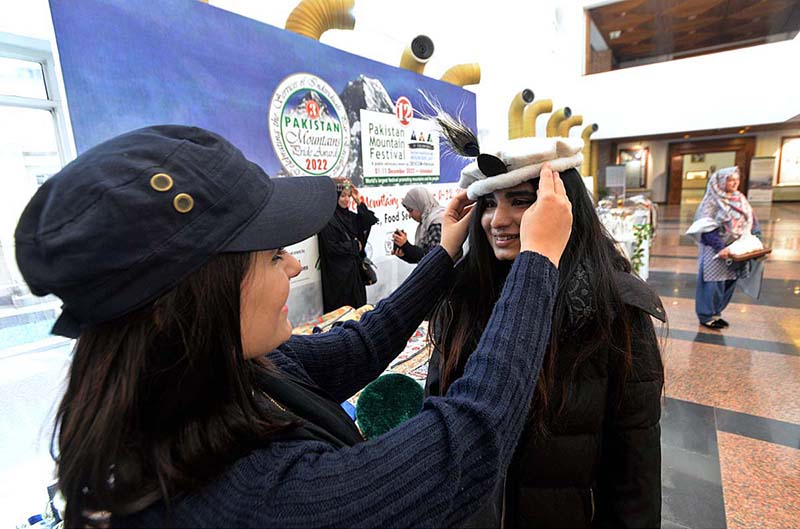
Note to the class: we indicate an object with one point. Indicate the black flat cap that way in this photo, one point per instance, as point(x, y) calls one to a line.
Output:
point(130, 218)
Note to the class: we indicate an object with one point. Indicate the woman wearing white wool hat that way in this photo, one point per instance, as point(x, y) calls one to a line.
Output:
point(590, 455)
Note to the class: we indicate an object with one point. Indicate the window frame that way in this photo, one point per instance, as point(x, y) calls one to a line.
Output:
point(39, 50)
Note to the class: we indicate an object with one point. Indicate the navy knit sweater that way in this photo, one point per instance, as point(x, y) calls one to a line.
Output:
point(435, 469)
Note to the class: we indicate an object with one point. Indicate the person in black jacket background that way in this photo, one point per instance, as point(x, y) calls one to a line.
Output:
point(590, 455)
point(341, 250)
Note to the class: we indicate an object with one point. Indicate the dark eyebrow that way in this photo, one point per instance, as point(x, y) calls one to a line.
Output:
point(526, 194)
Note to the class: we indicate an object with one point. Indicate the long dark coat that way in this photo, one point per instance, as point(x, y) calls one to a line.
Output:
point(340, 257)
point(601, 464)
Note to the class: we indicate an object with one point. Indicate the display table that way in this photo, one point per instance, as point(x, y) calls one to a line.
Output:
point(412, 360)
point(631, 224)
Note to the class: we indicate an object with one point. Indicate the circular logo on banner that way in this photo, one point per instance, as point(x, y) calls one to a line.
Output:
point(403, 110)
point(308, 127)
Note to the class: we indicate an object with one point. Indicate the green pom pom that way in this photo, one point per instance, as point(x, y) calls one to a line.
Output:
point(387, 402)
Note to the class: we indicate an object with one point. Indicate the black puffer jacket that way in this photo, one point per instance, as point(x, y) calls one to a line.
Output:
point(601, 464)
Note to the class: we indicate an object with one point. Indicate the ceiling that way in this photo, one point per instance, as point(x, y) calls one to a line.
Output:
point(682, 28)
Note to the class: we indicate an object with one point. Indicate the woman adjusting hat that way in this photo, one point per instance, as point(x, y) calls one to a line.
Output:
point(190, 403)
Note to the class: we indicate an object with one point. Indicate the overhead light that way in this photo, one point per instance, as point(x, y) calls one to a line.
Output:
point(742, 131)
point(686, 135)
point(692, 17)
point(623, 14)
point(614, 34)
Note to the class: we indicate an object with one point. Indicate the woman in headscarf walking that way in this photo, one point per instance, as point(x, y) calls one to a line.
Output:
point(723, 217)
point(424, 209)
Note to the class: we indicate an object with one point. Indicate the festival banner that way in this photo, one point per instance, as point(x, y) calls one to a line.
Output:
point(398, 153)
point(293, 105)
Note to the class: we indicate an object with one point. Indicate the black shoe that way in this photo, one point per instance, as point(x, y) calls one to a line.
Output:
point(724, 323)
point(713, 324)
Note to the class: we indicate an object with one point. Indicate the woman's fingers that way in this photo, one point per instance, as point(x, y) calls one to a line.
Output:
point(456, 222)
point(459, 202)
point(546, 181)
point(559, 184)
point(546, 227)
point(466, 211)
point(459, 207)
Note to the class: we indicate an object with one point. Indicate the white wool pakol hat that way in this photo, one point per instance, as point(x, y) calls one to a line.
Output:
point(511, 163)
point(523, 159)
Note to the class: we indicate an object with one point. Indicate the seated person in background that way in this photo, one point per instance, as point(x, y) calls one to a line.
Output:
point(590, 454)
point(424, 209)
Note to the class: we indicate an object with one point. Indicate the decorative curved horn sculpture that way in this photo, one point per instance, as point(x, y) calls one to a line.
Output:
point(587, 148)
point(531, 112)
point(312, 18)
point(463, 74)
point(572, 121)
point(555, 119)
point(417, 54)
point(515, 111)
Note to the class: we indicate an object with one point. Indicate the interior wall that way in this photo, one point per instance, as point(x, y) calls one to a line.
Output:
point(711, 162)
point(657, 167)
point(769, 144)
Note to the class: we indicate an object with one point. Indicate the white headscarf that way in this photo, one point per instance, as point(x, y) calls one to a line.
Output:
point(420, 198)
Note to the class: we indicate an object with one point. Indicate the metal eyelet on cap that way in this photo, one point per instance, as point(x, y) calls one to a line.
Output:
point(183, 202)
point(161, 182)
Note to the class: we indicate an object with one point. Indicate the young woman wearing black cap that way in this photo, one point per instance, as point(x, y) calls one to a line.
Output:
point(189, 403)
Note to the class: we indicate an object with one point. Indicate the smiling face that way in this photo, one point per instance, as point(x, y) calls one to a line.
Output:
point(344, 198)
point(264, 315)
point(502, 217)
point(732, 183)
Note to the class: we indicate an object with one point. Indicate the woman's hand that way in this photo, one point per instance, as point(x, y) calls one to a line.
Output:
point(355, 194)
point(400, 238)
point(724, 253)
point(455, 223)
point(547, 224)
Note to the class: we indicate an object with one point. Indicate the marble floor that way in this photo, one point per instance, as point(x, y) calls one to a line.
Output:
point(731, 415)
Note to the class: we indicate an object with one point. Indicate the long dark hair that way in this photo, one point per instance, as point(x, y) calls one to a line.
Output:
point(160, 401)
point(458, 320)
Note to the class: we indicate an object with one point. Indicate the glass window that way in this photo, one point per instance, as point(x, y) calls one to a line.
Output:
point(33, 363)
point(22, 78)
point(28, 156)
